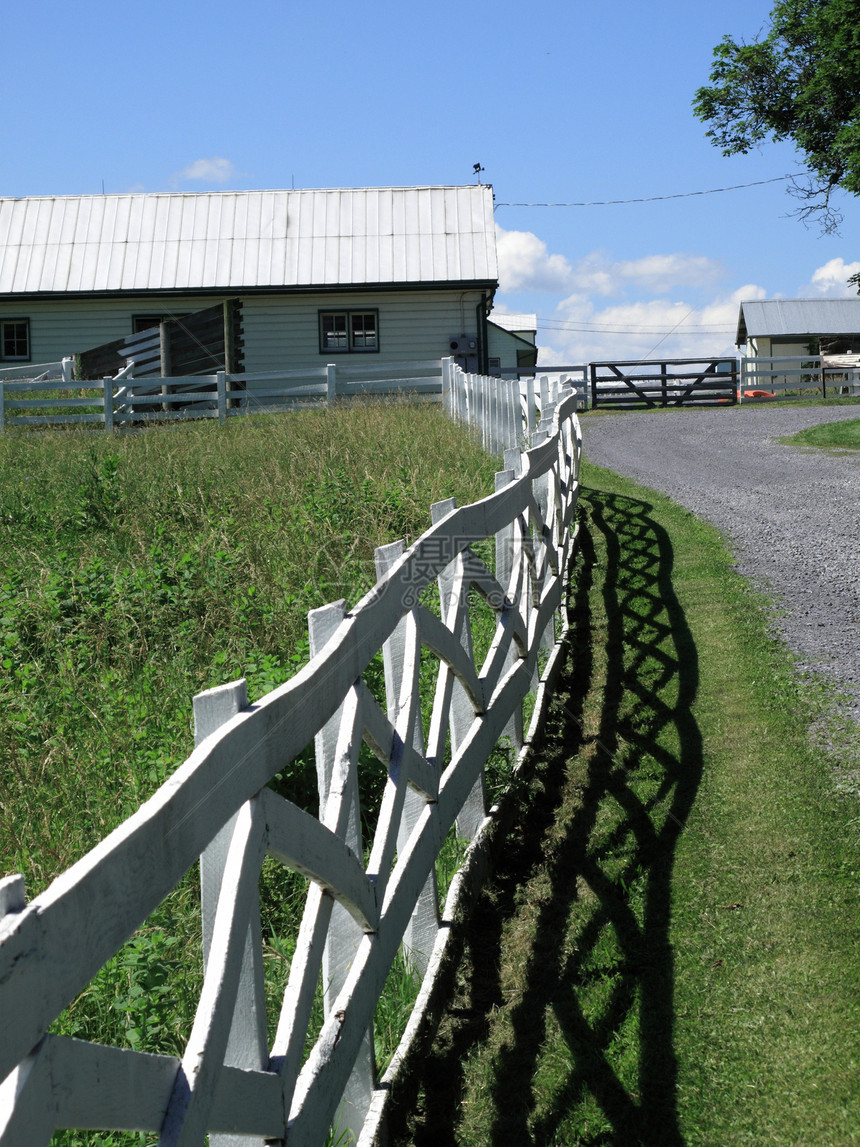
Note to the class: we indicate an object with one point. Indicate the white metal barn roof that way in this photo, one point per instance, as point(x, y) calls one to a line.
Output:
point(779, 318)
point(235, 240)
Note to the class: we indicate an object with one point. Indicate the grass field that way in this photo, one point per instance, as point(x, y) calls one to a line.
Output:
point(141, 569)
point(670, 952)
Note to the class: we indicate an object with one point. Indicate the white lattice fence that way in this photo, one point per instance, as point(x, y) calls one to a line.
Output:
point(217, 807)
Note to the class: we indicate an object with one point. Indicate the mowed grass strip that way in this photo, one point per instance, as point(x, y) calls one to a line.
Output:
point(828, 436)
point(670, 952)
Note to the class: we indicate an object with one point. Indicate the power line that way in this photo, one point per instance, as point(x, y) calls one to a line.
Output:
point(656, 198)
point(586, 327)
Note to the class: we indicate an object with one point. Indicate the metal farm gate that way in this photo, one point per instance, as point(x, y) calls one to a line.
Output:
point(673, 382)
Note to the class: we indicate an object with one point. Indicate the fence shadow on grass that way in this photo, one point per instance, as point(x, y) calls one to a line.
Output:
point(569, 1034)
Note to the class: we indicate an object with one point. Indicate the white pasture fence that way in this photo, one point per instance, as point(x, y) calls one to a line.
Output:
point(829, 375)
point(358, 913)
point(505, 411)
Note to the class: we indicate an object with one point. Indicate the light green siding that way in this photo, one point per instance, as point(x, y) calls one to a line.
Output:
point(281, 332)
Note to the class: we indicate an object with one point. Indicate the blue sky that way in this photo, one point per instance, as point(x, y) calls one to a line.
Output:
point(560, 102)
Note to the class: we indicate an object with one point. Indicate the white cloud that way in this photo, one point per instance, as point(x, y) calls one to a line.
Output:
point(213, 170)
point(653, 328)
point(831, 280)
point(525, 264)
point(662, 305)
point(598, 274)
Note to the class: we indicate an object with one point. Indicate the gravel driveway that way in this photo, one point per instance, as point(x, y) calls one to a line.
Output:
point(792, 516)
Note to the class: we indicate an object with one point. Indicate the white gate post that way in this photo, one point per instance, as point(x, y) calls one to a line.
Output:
point(247, 1044)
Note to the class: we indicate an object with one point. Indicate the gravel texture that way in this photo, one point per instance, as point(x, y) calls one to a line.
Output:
point(791, 515)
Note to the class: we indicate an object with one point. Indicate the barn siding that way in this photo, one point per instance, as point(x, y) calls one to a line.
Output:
point(65, 327)
point(280, 331)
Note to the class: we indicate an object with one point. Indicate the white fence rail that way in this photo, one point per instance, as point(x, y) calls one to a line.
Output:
point(35, 372)
point(828, 375)
point(358, 913)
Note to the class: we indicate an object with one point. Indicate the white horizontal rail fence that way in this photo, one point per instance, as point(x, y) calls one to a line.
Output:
point(358, 913)
point(779, 375)
point(800, 373)
point(43, 401)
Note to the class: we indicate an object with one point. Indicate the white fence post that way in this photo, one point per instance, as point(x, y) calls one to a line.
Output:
point(221, 387)
point(420, 934)
point(330, 382)
point(247, 1045)
point(344, 935)
point(507, 556)
point(531, 408)
point(107, 391)
point(448, 400)
point(68, 369)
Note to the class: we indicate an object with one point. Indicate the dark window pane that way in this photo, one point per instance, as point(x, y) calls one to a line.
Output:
point(363, 330)
point(333, 326)
point(16, 342)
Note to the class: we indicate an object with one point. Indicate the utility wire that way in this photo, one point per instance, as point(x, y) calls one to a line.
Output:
point(610, 329)
point(655, 198)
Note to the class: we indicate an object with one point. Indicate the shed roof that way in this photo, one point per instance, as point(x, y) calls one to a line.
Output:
point(779, 318)
point(515, 323)
point(235, 240)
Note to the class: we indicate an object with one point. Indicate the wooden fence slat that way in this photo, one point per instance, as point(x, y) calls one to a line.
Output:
point(187, 1119)
point(247, 1044)
point(454, 601)
point(306, 846)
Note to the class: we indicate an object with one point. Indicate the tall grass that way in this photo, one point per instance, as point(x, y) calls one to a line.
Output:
point(140, 569)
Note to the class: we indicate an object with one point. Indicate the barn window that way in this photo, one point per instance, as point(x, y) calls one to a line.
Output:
point(345, 331)
point(14, 340)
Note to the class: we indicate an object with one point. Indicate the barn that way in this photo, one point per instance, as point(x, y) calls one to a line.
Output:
point(288, 280)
